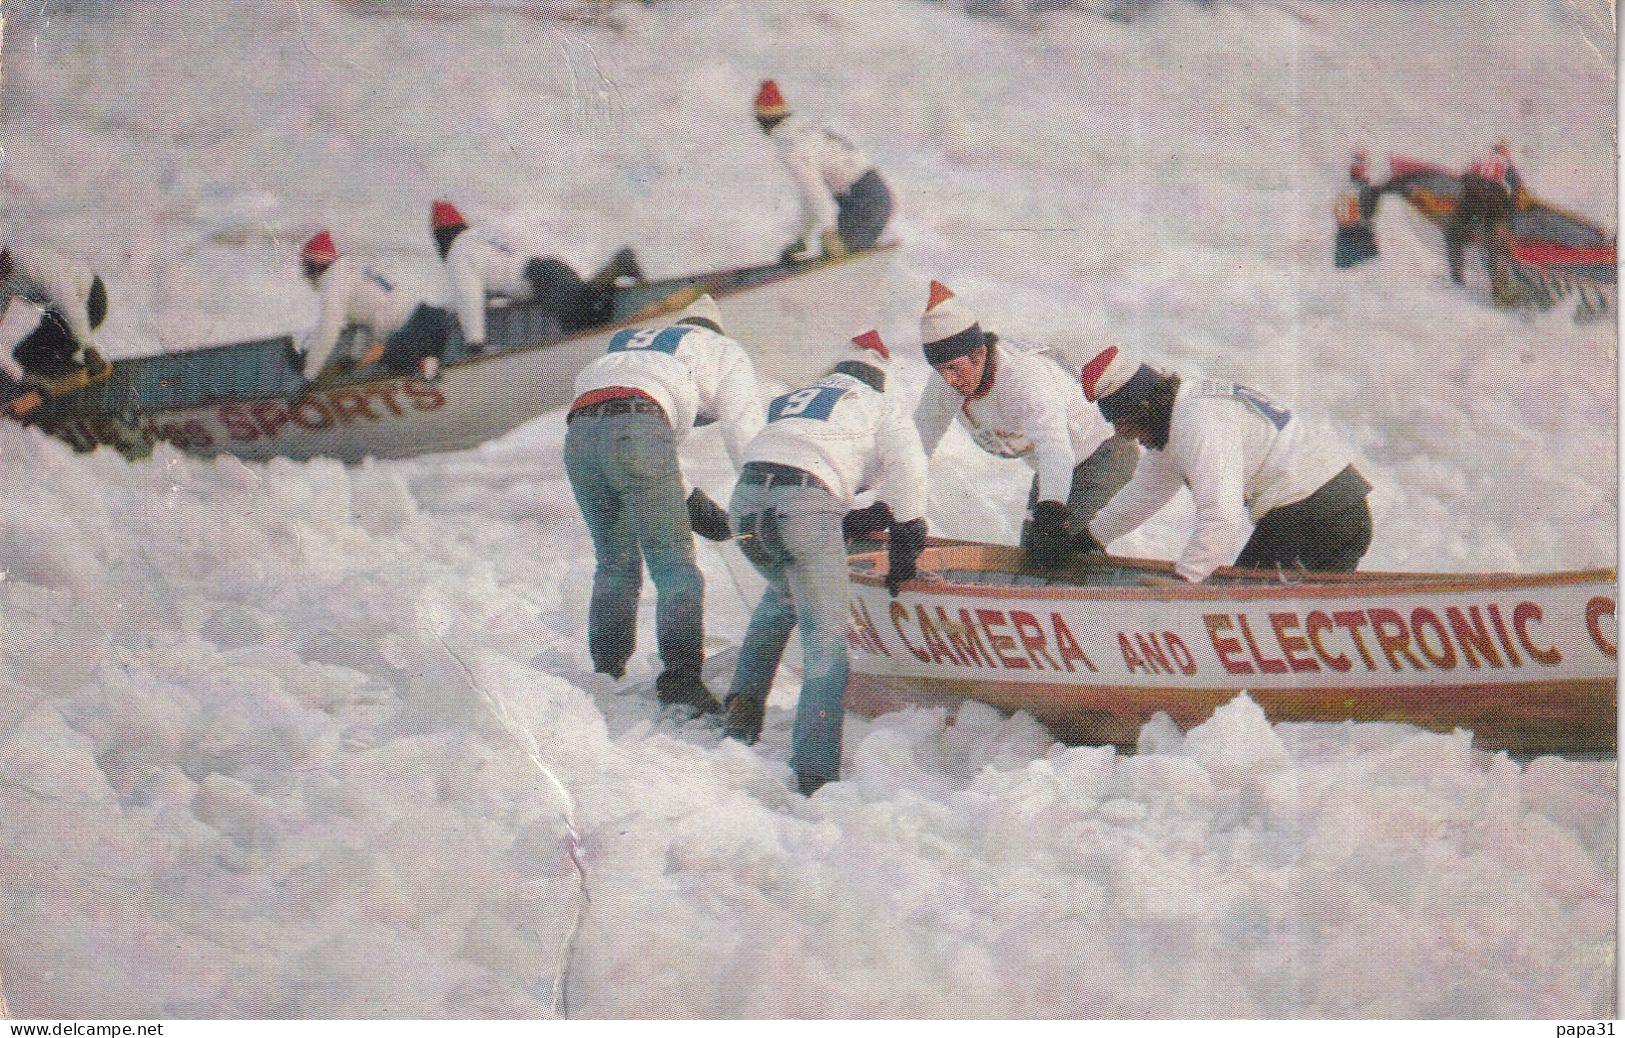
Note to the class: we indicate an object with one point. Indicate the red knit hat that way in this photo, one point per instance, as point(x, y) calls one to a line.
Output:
point(769, 102)
point(1357, 166)
point(871, 350)
point(320, 249)
point(443, 215)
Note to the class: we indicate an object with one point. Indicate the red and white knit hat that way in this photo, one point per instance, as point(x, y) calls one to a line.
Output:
point(868, 348)
point(704, 308)
point(319, 249)
point(769, 102)
point(443, 216)
point(947, 328)
point(1108, 372)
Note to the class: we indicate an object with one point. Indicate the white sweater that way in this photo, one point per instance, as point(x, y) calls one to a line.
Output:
point(1035, 410)
point(354, 295)
point(1241, 454)
point(848, 435)
point(480, 264)
point(823, 164)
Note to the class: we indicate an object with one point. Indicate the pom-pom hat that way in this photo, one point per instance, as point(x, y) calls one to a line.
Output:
point(947, 328)
point(443, 216)
point(319, 249)
point(869, 349)
point(769, 102)
point(1115, 382)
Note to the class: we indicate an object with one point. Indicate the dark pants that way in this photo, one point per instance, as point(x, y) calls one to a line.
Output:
point(1327, 532)
point(1485, 207)
point(47, 351)
point(575, 304)
point(864, 210)
point(623, 469)
point(1095, 481)
point(423, 335)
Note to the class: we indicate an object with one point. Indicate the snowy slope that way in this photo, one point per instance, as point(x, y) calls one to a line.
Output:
point(271, 736)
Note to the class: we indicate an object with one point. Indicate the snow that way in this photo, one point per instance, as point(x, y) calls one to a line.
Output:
point(282, 739)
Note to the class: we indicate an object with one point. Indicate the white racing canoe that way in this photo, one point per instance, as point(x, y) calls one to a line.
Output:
point(1526, 662)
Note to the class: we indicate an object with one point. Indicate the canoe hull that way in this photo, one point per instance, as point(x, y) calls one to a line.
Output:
point(1526, 663)
point(780, 320)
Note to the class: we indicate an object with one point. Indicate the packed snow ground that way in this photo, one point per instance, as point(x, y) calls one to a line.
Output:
point(272, 736)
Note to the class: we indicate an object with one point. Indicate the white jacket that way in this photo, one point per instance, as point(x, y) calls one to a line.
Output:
point(1241, 454)
point(354, 295)
point(18, 319)
point(1035, 410)
point(480, 264)
point(823, 164)
point(848, 435)
point(692, 372)
point(53, 279)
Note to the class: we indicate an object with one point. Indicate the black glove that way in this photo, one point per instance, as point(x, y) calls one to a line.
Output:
point(902, 552)
point(95, 364)
point(1050, 536)
point(862, 522)
point(1084, 543)
point(707, 518)
point(794, 252)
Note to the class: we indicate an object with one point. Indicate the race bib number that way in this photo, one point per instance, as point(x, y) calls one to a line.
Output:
point(814, 402)
point(655, 340)
point(1273, 412)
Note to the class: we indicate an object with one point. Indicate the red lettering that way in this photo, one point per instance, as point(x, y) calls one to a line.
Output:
point(1506, 641)
point(1596, 609)
point(1155, 659)
point(1031, 633)
point(866, 624)
point(424, 397)
point(1223, 647)
point(1422, 618)
point(962, 636)
point(1394, 638)
point(1180, 653)
point(238, 426)
point(898, 612)
point(199, 434)
point(386, 391)
point(347, 405)
point(270, 416)
point(1522, 614)
point(933, 640)
point(1472, 636)
point(1351, 620)
point(1130, 660)
point(1001, 643)
point(1069, 648)
point(1266, 664)
point(299, 409)
point(1291, 643)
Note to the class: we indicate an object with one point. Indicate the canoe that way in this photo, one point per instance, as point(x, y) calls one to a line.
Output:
point(1554, 253)
point(1526, 662)
point(249, 399)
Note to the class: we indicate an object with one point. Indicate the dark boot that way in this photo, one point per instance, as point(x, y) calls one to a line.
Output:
point(679, 688)
point(745, 715)
point(810, 784)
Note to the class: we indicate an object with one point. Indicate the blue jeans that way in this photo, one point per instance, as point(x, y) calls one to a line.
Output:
point(623, 469)
point(799, 549)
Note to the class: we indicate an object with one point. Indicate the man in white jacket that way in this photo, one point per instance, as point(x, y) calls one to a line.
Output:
point(844, 202)
point(1020, 400)
point(1269, 488)
point(407, 334)
point(480, 263)
point(823, 444)
point(634, 407)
